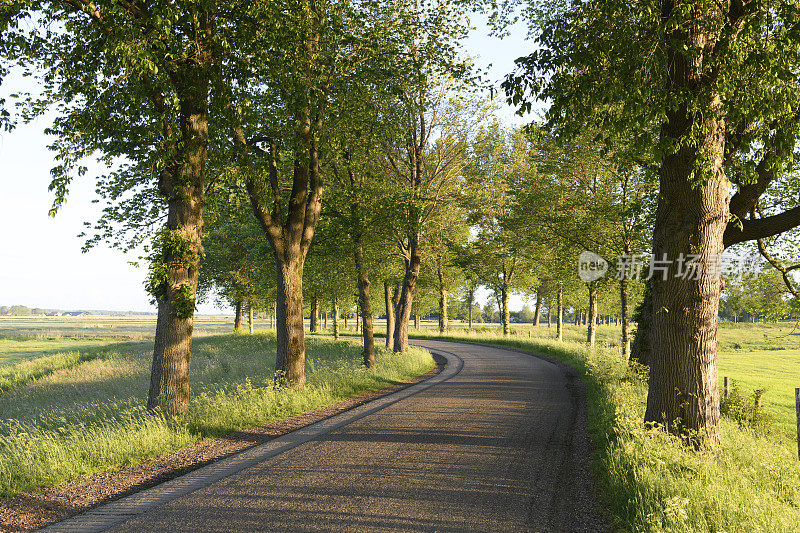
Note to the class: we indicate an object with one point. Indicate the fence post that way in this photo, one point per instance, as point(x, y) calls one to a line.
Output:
point(725, 394)
point(757, 395)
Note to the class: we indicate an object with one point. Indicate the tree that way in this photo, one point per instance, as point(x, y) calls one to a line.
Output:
point(583, 197)
point(237, 266)
point(425, 166)
point(693, 86)
point(131, 83)
point(305, 53)
point(502, 253)
point(422, 158)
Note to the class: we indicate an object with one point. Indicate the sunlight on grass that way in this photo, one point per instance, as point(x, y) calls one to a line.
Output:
point(90, 417)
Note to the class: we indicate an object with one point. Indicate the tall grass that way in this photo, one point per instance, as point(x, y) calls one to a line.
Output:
point(648, 479)
point(90, 418)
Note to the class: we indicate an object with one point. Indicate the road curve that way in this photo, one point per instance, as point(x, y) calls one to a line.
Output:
point(500, 446)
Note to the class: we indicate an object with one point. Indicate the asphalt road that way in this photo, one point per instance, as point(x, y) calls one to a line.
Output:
point(501, 446)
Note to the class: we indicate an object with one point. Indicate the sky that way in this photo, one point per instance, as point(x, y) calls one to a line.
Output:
point(41, 264)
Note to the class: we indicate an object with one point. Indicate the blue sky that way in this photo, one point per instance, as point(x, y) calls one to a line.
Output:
point(41, 264)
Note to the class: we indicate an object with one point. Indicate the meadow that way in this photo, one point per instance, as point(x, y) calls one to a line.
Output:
point(83, 411)
point(651, 481)
point(105, 327)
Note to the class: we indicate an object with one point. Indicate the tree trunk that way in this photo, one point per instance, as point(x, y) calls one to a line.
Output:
point(691, 218)
point(592, 319)
point(506, 311)
point(325, 320)
point(313, 319)
point(537, 315)
point(471, 298)
point(250, 318)
point(640, 349)
point(416, 322)
point(623, 298)
point(443, 319)
point(365, 304)
point(335, 302)
point(289, 236)
point(389, 300)
point(291, 345)
point(237, 320)
point(560, 316)
point(442, 300)
point(403, 313)
point(175, 273)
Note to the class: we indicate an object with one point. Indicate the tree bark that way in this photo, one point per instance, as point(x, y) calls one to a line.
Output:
point(364, 303)
point(537, 315)
point(403, 313)
point(592, 318)
point(691, 218)
point(335, 303)
point(442, 299)
point(471, 298)
point(506, 311)
point(237, 320)
point(416, 322)
point(291, 349)
point(389, 300)
point(174, 280)
point(560, 316)
point(313, 319)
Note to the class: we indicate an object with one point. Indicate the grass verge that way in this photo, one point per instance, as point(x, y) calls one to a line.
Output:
point(90, 417)
point(648, 480)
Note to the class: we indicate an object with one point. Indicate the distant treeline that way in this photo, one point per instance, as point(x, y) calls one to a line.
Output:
point(22, 310)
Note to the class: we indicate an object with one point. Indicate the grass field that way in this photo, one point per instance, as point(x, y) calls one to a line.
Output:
point(87, 414)
point(134, 327)
point(649, 480)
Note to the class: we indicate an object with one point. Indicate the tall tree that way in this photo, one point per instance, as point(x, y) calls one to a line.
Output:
point(502, 250)
point(305, 53)
point(707, 91)
point(131, 84)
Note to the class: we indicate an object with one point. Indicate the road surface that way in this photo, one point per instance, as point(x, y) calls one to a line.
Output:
point(498, 445)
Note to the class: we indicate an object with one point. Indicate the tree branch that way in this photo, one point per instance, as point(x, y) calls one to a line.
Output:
point(761, 228)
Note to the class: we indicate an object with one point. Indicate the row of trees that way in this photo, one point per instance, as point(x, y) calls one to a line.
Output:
point(222, 122)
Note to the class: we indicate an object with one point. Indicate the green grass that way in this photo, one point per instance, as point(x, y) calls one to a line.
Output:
point(90, 417)
point(648, 480)
point(30, 367)
point(134, 327)
point(15, 350)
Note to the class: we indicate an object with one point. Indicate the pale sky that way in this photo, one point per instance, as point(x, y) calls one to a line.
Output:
point(41, 264)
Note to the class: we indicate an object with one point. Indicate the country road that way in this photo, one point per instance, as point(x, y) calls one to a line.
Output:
point(497, 444)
